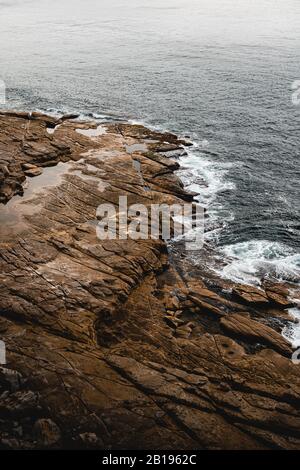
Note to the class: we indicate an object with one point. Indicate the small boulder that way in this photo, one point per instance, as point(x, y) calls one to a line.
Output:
point(47, 432)
point(33, 171)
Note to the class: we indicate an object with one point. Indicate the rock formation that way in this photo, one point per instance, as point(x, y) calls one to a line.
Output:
point(123, 344)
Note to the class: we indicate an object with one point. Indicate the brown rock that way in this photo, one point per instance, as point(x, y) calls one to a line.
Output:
point(172, 321)
point(33, 171)
point(184, 331)
point(206, 306)
point(250, 295)
point(91, 440)
point(47, 432)
point(243, 326)
point(278, 294)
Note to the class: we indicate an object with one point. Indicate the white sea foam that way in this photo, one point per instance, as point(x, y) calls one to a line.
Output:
point(207, 178)
point(204, 176)
point(249, 262)
point(82, 116)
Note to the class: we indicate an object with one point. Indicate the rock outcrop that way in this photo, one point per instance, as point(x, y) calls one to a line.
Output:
point(119, 343)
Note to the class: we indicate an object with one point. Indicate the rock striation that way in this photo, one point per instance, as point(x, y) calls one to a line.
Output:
point(121, 344)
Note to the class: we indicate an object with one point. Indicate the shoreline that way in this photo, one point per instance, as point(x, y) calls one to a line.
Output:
point(147, 350)
point(248, 262)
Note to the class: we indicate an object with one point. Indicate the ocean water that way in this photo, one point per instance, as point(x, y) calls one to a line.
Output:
point(219, 71)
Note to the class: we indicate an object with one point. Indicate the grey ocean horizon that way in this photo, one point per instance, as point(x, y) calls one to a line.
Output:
point(220, 72)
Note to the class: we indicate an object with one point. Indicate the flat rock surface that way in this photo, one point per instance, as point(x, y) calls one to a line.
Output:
point(118, 343)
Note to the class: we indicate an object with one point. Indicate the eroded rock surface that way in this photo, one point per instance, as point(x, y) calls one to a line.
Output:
point(119, 344)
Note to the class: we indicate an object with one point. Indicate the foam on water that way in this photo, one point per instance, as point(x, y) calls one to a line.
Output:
point(82, 115)
point(206, 177)
point(250, 262)
point(201, 174)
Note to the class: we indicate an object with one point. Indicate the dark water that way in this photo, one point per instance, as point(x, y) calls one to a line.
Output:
point(218, 70)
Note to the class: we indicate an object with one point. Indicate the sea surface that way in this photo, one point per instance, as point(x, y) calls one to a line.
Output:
point(219, 71)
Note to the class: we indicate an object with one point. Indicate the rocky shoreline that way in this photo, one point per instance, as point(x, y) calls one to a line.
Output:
point(124, 344)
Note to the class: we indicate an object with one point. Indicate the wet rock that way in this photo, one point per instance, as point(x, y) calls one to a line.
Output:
point(47, 432)
point(10, 379)
point(250, 295)
point(10, 444)
point(205, 306)
point(34, 171)
point(184, 331)
point(3, 170)
point(91, 440)
point(172, 321)
point(19, 404)
point(243, 326)
point(279, 295)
